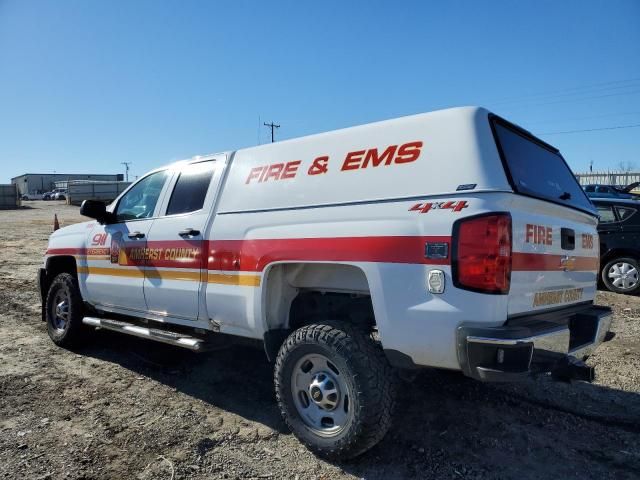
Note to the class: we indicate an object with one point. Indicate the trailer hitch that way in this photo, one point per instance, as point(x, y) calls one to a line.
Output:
point(570, 368)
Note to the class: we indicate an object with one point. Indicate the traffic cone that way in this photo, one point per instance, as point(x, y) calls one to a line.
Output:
point(56, 224)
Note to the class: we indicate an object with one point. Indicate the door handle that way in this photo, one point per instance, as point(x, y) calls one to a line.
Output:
point(189, 232)
point(135, 235)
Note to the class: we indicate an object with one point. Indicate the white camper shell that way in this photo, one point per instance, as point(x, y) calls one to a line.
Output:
point(451, 239)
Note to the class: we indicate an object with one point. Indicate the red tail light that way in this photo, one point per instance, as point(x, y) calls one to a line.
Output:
point(482, 253)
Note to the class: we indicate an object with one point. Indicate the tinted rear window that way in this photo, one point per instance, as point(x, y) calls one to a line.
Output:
point(191, 188)
point(538, 171)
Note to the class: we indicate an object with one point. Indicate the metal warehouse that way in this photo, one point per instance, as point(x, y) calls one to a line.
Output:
point(45, 182)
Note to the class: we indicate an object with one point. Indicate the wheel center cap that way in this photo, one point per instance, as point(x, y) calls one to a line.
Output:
point(316, 394)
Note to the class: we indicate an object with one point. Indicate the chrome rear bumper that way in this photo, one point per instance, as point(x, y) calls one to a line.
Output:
point(532, 344)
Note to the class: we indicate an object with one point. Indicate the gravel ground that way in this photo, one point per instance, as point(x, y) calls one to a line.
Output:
point(126, 408)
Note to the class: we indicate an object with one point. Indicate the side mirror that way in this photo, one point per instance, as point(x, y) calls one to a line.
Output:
point(95, 209)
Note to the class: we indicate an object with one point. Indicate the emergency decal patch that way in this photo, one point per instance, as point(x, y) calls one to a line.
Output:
point(116, 244)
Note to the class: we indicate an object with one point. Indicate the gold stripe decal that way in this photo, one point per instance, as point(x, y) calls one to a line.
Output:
point(240, 280)
point(115, 272)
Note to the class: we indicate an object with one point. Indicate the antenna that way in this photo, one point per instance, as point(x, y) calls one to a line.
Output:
point(126, 170)
point(272, 126)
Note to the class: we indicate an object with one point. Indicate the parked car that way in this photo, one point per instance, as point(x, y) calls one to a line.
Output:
point(611, 191)
point(56, 194)
point(60, 194)
point(30, 196)
point(619, 230)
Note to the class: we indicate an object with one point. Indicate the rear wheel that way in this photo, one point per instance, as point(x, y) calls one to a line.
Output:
point(335, 389)
point(64, 311)
point(622, 275)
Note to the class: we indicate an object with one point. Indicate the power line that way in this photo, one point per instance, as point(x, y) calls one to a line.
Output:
point(577, 90)
point(589, 91)
point(617, 127)
point(578, 119)
point(525, 105)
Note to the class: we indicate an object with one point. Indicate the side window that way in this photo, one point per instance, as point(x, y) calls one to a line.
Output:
point(589, 188)
point(191, 188)
point(141, 200)
point(625, 213)
point(606, 214)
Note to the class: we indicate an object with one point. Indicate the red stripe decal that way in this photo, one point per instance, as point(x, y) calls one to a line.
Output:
point(255, 255)
point(66, 251)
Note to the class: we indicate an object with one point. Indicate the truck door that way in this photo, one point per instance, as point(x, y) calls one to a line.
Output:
point(177, 253)
point(116, 252)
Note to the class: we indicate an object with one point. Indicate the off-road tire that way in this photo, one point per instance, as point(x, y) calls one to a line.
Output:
point(74, 332)
point(604, 275)
point(372, 384)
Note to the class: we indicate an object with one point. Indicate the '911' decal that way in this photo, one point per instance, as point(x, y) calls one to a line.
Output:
point(447, 205)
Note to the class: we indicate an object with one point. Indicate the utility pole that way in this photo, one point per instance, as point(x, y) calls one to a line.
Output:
point(272, 126)
point(126, 170)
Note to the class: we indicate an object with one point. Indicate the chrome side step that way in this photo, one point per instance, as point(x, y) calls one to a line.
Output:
point(164, 336)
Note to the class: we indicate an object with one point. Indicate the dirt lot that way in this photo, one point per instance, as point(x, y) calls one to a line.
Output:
point(127, 408)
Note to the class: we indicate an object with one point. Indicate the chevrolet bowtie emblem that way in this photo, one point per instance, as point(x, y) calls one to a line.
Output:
point(568, 263)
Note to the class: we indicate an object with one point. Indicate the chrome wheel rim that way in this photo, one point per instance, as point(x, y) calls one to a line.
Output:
point(60, 310)
point(623, 275)
point(321, 395)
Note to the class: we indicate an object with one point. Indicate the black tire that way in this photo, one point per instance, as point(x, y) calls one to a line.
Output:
point(621, 261)
point(360, 364)
point(64, 288)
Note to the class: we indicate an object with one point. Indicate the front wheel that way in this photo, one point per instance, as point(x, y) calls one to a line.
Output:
point(64, 311)
point(622, 275)
point(335, 389)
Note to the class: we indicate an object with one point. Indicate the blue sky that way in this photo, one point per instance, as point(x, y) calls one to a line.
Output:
point(85, 85)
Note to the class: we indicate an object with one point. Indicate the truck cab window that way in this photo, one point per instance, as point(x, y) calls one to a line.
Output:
point(140, 201)
point(191, 188)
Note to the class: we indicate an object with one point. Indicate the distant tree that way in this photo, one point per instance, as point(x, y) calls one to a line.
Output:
point(626, 167)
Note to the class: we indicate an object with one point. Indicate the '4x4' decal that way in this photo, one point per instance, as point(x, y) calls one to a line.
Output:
point(447, 205)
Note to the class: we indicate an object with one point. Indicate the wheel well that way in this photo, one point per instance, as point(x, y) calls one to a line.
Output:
point(61, 264)
point(299, 294)
point(311, 306)
point(618, 252)
point(55, 266)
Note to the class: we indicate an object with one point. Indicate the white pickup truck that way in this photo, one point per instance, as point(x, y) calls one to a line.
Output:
point(451, 239)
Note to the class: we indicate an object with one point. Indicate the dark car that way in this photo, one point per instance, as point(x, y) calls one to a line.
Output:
point(619, 231)
point(610, 191)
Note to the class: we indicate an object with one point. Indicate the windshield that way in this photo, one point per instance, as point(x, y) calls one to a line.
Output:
point(537, 170)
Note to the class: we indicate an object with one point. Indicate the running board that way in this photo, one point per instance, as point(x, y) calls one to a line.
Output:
point(164, 336)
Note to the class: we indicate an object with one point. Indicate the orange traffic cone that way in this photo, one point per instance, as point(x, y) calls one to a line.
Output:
point(56, 224)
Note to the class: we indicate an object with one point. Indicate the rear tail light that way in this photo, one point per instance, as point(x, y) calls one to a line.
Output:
point(482, 253)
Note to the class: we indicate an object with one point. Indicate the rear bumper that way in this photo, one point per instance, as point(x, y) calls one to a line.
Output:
point(551, 342)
